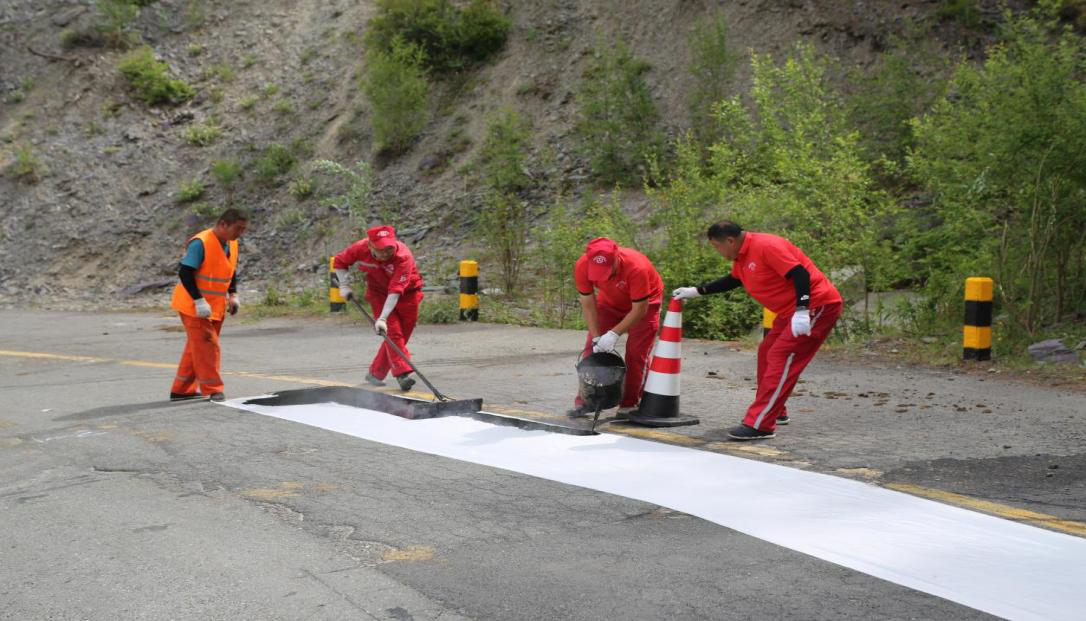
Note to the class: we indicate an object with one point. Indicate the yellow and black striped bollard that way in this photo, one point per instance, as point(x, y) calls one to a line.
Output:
point(768, 317)
point(336, 303)
point(469, 291)
point(977, 335)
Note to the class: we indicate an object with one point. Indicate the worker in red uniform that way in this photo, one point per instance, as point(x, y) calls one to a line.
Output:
point(781, 278)
point(620, 294)
point(394, 291)
point(208, 289)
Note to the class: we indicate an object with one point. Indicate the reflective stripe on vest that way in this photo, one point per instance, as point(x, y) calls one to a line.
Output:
point(213, 276)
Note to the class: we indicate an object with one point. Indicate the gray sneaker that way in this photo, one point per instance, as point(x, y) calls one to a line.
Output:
point(405, 381)
point(372, 379)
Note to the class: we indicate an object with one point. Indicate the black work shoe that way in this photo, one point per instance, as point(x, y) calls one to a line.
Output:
point(743, 432)
point(183, 396)
point(372, 379)
point(578, 412)
point(783, 420)
point(405, 381)
point(624, 413)
point(217, 396)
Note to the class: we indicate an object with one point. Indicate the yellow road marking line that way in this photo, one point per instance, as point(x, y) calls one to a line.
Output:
point(986, 506)
point(995, 508)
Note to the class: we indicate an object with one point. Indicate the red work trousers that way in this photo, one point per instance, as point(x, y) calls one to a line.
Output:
point(401, 323)
point(199, 366)
point(781, 358)
point(639, 341)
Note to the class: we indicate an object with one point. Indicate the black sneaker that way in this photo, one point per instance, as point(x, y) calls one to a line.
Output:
point(783, 420)
point(578, 412)
point(372, 379)
point(743, 432)
point(217, 396)
point(405, 381)
point(183, 396)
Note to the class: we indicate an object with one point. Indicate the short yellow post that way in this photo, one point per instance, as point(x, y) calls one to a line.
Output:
point(335, 300)
point(768, 317)
point(977, 335)
point(469, 291)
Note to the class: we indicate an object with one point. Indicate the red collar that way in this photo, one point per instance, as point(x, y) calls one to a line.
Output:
point(747, 237)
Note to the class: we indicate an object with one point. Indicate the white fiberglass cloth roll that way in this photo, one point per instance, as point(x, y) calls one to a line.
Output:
point(995, 565)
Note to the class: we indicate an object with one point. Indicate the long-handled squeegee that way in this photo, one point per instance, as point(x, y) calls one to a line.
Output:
point(437, 393)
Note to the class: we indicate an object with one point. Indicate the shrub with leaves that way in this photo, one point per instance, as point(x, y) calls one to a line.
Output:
point(451, 38)
point(712, 69)
point(356, 202)
point(201, 135)
point(27, 166)
point(275, 162)
point(396, 88)
point(301, 188)
point(561, 241)
point(1003, 156)
point(226, 174)
point(190, 191)
point(150, 81)
point(617, 117)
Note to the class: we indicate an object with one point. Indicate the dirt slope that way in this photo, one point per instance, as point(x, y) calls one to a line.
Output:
point(105, 214)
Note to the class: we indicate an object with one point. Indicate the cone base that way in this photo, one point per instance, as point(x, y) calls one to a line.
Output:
point(669, 421)
point(660, 411)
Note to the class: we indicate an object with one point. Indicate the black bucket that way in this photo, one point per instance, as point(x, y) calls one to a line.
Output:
point(602, 378)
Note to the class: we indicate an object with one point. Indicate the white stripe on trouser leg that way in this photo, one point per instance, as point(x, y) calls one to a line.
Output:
point(668, 349)
point(673, 320)
point(776, 393)
point(666, 384)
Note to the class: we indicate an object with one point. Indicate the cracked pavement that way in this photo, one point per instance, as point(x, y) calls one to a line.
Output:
point(120, 505)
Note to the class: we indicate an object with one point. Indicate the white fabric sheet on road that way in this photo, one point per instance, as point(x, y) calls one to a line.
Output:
point(994, 565)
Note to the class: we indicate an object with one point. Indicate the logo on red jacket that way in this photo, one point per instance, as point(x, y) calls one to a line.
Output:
point(600, 259)
point(751, 266)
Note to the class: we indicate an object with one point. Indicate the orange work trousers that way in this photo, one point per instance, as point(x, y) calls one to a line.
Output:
point(199, 366)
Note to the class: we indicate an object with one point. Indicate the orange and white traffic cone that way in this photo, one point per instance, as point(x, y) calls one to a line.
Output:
point(660, 399)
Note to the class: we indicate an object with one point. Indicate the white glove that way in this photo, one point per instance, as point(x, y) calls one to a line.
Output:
point(234, 304)
point(346, 293)
point(606, 342)
point(801, 322)
point(343, 277)
point(685, 293)
point(203, 309)
point(380, 326)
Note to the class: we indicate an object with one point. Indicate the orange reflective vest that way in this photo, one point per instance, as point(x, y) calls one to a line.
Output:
point(212, 279)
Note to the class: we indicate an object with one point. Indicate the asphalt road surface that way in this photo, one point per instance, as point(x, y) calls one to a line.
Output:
point(118, 504)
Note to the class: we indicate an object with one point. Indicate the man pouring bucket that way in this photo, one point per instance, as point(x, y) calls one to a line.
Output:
point(620, 293)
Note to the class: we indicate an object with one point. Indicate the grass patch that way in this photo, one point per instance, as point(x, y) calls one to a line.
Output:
point(201, 135)
point(190, 191)
point(150, 81)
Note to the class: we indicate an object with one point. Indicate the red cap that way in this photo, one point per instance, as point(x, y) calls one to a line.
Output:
point(382, 236)
point(601, 258)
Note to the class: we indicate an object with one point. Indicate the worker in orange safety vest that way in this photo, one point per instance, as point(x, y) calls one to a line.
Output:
point(206, 292)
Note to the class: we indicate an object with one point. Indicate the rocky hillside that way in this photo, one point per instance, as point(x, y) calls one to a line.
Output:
point(101, 190)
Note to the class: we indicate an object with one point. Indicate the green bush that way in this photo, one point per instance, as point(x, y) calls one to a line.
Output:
point(226, 173)
point(504, 218)
point(150, 81)
point(395, 86)
point(301, 188)
point(439, 309)
point(789, 164)
point(275, 162)
point(617, 117)
point(190, 191)
point(27, 166)
point(1002, 156)
point(201, 135)
point(503, 157)
point(357, 200)
point(904, 82)
point(561, 241)
point(712, 67)
point(450, 38)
